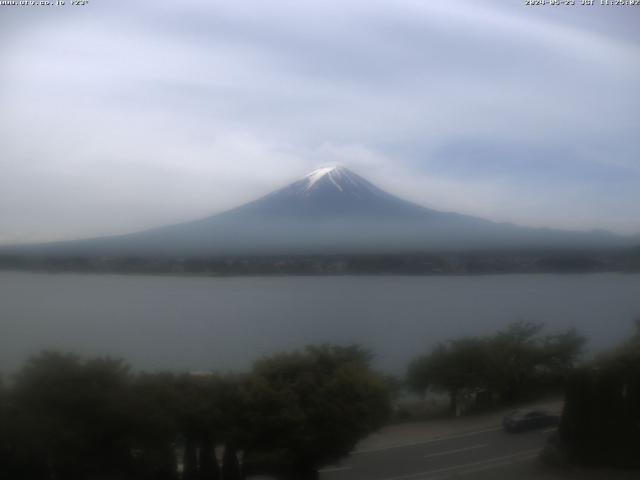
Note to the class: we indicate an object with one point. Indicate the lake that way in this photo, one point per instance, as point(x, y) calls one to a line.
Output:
point(203, 323)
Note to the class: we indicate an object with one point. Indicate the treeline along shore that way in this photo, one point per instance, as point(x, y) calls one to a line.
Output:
point(465, 263)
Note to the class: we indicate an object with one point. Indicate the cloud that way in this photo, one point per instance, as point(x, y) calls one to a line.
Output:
point(158, 113)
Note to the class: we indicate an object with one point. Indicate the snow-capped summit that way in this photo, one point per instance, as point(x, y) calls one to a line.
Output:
point(330, 192)
point(334, 177)
point(319, 173)
point(334, 174)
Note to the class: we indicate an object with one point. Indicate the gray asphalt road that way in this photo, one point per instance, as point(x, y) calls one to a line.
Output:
point(486, 453)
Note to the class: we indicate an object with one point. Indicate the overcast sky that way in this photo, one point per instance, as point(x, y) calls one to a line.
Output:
point(123, 115)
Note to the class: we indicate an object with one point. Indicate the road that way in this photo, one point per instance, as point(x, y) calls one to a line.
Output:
point(484, 453)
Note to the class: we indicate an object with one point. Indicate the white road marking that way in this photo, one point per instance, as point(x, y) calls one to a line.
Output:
point(448, 452)
point(491, 466)
point(547, 430)
point(424, 442)
point(333, 469)
point(520, 456)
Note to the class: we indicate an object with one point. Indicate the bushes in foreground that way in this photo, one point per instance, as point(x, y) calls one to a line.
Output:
point(66, 417)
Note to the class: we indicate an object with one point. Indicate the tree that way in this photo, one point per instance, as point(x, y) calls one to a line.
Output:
point(515, 354)
point(153, 406)
point(72, 415)
point(309, 408)
point(521, 358)
point(561, 352)
point(66, 417)
point(507, 363)
point(453, 367)
point(600, 422)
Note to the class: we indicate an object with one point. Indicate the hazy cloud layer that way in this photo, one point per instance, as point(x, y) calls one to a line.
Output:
point(123, 115)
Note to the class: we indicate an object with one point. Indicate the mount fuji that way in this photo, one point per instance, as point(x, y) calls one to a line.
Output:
point(330, 210)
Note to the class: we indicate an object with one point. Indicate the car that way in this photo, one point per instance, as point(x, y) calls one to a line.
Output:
point(519, 421)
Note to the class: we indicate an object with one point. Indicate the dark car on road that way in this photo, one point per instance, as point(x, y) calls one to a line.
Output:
point(522, 421)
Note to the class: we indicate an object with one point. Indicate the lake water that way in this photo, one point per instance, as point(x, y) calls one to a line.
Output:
point(199, 323)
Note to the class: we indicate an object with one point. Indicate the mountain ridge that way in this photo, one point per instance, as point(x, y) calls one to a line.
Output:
point(330, 210)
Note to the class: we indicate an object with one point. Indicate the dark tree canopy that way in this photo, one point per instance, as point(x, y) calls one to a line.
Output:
point(316, 404)
point(67, 417)
point(600, 423)
point(504, 364)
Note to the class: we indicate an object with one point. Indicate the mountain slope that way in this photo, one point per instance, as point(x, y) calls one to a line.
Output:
point(331, 210)
point(331, 193)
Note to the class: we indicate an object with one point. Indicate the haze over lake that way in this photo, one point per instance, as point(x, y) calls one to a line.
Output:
point(202, 323)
